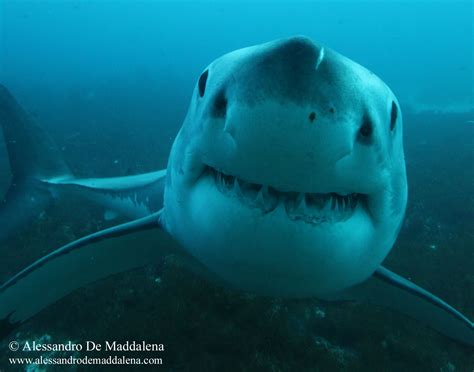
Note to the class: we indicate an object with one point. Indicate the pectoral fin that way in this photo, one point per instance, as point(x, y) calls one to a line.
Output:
point(83, 261)
point(390, 290)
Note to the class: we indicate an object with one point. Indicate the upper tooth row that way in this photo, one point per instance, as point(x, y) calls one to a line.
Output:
point(260, 196)
point(294, 202)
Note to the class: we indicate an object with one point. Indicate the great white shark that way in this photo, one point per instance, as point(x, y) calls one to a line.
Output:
point(287, 178)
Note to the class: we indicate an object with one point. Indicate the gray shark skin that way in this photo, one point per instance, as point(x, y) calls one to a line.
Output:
point(287, 178)
point(40, 176)
point(32, 155)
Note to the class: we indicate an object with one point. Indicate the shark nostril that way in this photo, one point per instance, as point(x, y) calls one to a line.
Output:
point(220, 105)
point(365, 132)
point(312, 117)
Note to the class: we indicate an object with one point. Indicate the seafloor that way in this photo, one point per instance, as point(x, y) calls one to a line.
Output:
point(207, 328)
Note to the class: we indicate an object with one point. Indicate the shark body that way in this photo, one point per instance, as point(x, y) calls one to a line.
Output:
point(287, 178)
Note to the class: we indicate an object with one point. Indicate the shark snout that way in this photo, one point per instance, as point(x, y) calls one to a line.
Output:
point(298, 54)
point(284, 70)
point(290, 105)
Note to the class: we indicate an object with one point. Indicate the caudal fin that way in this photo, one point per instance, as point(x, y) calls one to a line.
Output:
point(31, 151)
point(33, 157)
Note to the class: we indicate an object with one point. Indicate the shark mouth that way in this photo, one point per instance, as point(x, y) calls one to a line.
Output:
point(312, 208)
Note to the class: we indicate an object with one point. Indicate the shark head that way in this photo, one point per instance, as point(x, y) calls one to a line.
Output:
point(288, 174)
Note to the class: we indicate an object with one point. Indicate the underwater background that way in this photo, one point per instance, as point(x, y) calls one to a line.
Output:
point(111, 82)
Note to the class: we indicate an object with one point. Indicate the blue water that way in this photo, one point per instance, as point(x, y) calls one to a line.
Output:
point(111, 82)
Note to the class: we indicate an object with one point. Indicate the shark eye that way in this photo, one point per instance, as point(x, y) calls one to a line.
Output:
point(202, 83)
point(393, 116)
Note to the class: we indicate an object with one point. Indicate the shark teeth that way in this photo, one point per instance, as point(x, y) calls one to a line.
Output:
point(312, 208)
point(317, 208)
